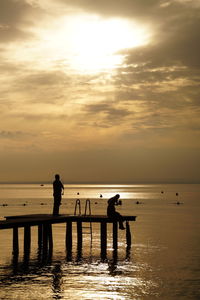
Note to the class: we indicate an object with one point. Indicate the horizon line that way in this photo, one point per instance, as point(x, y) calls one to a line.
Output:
point(103, 182)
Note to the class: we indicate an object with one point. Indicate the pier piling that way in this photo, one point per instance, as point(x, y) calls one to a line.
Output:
point(15, 241)
point(27, 239)
point(69, 239)
point(103, 240)
point(115, 235)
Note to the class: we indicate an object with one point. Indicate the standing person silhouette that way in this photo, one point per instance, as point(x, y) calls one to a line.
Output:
point(58, 191)
point(112, 213)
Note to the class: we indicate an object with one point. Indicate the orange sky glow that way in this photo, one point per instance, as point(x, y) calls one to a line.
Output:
point(99, 91)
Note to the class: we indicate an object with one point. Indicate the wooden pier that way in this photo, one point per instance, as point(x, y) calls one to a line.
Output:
point(44, 223)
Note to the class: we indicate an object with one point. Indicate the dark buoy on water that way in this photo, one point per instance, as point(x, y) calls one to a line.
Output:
point(138, 202)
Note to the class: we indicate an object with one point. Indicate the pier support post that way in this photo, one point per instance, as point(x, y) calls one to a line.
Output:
point(128, 234)
point(115, 235)
point(79, 235)
point(27, 245)
point(45, 240)
point(40, 234)
point(15, 241)
point(68, 240)
point(27, 239)
point(79, 240)
point(128, 241)
point(103, 240)
point(50, 239)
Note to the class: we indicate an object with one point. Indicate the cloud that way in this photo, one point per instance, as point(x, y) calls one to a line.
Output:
point(13, 135)
point(136, 8)
point(37, 117)
point(15, 19)
point(105, 114)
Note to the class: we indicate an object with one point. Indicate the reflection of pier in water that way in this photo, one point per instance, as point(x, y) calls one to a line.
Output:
point(57, 270)
point(44, 223)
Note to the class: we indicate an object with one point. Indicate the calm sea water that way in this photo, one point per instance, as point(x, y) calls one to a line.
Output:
point(164, 261)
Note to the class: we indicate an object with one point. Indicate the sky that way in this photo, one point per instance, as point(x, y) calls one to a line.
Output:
point(100, 91)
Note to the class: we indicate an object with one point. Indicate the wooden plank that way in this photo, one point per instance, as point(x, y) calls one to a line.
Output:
point(34, 220)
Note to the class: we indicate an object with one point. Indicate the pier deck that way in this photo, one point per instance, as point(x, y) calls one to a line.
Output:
point(44, 223)
point(37, 219)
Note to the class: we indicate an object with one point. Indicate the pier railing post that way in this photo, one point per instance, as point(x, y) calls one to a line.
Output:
point(103, 240)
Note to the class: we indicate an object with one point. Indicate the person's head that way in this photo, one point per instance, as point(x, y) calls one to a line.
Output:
point(57, 176)
point(116, 197)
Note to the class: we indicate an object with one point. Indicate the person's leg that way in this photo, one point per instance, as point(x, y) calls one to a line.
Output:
point(56, 206)
point(120, 220)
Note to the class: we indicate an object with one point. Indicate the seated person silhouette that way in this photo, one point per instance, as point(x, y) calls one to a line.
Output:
point(112, 213)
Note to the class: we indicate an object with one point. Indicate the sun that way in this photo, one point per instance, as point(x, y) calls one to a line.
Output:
point(96, 42)
point(90, 43)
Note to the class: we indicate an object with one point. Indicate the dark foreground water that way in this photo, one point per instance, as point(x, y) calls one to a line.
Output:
point(163, 263)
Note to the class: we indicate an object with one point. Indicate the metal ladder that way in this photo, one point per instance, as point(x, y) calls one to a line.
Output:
point(88, 212)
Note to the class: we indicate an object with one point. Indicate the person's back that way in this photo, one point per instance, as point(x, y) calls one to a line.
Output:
point(57, 186)
point(111, 206)
point(57, 193)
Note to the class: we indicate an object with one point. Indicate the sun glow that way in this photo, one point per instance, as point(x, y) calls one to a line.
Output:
point(96, 42)
point(85, 43)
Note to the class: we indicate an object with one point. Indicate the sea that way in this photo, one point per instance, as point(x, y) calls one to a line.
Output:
point(162, 263)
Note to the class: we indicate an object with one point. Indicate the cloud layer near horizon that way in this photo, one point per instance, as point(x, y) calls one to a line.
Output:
point(146, 110)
